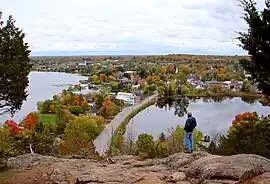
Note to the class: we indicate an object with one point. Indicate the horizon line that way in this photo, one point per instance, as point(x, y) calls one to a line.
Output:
point(235, 55)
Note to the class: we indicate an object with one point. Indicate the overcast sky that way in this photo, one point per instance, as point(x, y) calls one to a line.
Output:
point(75, 27)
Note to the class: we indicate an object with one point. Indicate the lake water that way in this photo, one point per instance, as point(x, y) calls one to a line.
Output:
point(41, 87)
point(212, 117)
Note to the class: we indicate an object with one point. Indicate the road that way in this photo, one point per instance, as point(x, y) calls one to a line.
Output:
point(103, 140)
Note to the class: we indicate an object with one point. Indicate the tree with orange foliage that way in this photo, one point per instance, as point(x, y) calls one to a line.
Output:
point(30, 121)
point(108, 108)
point(103, 77)
point(78, 100)
point(163, 69)
point(172, 69)
point(12, 126)
point(245, 117)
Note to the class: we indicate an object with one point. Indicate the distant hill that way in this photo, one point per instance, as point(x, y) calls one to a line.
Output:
point(170, 57)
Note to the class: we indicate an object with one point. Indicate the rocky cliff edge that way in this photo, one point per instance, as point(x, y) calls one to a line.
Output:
point(180, 168)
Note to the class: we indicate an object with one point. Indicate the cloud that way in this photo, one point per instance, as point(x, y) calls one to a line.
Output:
point(128, 26)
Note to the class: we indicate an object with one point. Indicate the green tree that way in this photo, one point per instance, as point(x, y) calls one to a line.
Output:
point(256, 42)
point(248, 137)
point(246, 87)
point(145, 146)
point(5, 147)
point(81, 132)
point(62, 118)
point(76, 110)
point(14, 67)
point(45, 107)
point(99, 99)
point(181, 77)
point(115, 86)
point(162, 137)
point(161, 149)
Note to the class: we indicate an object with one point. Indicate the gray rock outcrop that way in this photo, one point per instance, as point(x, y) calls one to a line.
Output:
point(181, 168)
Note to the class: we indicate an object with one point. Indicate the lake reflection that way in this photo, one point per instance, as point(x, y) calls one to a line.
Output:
point(41, 87)
point(213, 116)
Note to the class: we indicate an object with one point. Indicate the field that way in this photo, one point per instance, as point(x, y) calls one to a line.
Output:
point(49, 118)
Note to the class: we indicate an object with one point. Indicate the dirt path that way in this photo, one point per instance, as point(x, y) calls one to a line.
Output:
point(103, 140)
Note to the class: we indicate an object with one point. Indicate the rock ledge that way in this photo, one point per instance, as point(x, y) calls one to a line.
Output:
point(180, 168)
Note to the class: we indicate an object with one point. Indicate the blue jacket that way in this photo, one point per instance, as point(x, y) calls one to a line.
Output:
point(190, 124)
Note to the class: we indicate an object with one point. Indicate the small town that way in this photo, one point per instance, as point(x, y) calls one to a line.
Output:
point(133, 82)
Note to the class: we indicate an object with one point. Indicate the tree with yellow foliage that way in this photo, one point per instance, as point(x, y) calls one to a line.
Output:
point(149, 80)
point(164, 69)
point(93, 78)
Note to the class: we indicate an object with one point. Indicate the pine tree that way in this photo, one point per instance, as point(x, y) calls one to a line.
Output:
point(256, 42)
point(14, 67)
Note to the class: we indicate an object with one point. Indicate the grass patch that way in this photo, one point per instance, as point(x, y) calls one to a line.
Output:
point(49, 118)
point(122, 127)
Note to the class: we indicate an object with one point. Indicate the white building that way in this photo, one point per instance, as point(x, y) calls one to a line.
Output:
point(128, 98)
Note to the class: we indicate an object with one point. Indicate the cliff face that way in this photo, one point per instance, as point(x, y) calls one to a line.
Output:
point(181, 168)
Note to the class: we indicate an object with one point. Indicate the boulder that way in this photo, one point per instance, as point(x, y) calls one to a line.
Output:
point(261, 179)
point(179, 160)
point(29, 160)
point(237, 167)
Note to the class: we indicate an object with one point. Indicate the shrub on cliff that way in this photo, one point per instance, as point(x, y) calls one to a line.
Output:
point(40, 138)
point(5, 146)
point(145, 146)
point(247, 135)
point(161, 149)
point(251, 137)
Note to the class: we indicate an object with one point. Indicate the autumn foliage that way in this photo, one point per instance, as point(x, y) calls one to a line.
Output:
point(245, 117)
point(149, 80)
point(172, 69)
point(78, 100)
point(94, 78)
point(12, 126)
point(163, 69)
point(108, 108)
point(103, 77)
point(30, 121)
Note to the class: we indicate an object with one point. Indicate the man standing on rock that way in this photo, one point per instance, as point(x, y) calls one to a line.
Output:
point(188, 137)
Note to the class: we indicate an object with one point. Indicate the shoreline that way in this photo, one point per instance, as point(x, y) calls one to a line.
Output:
point(238, 94)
